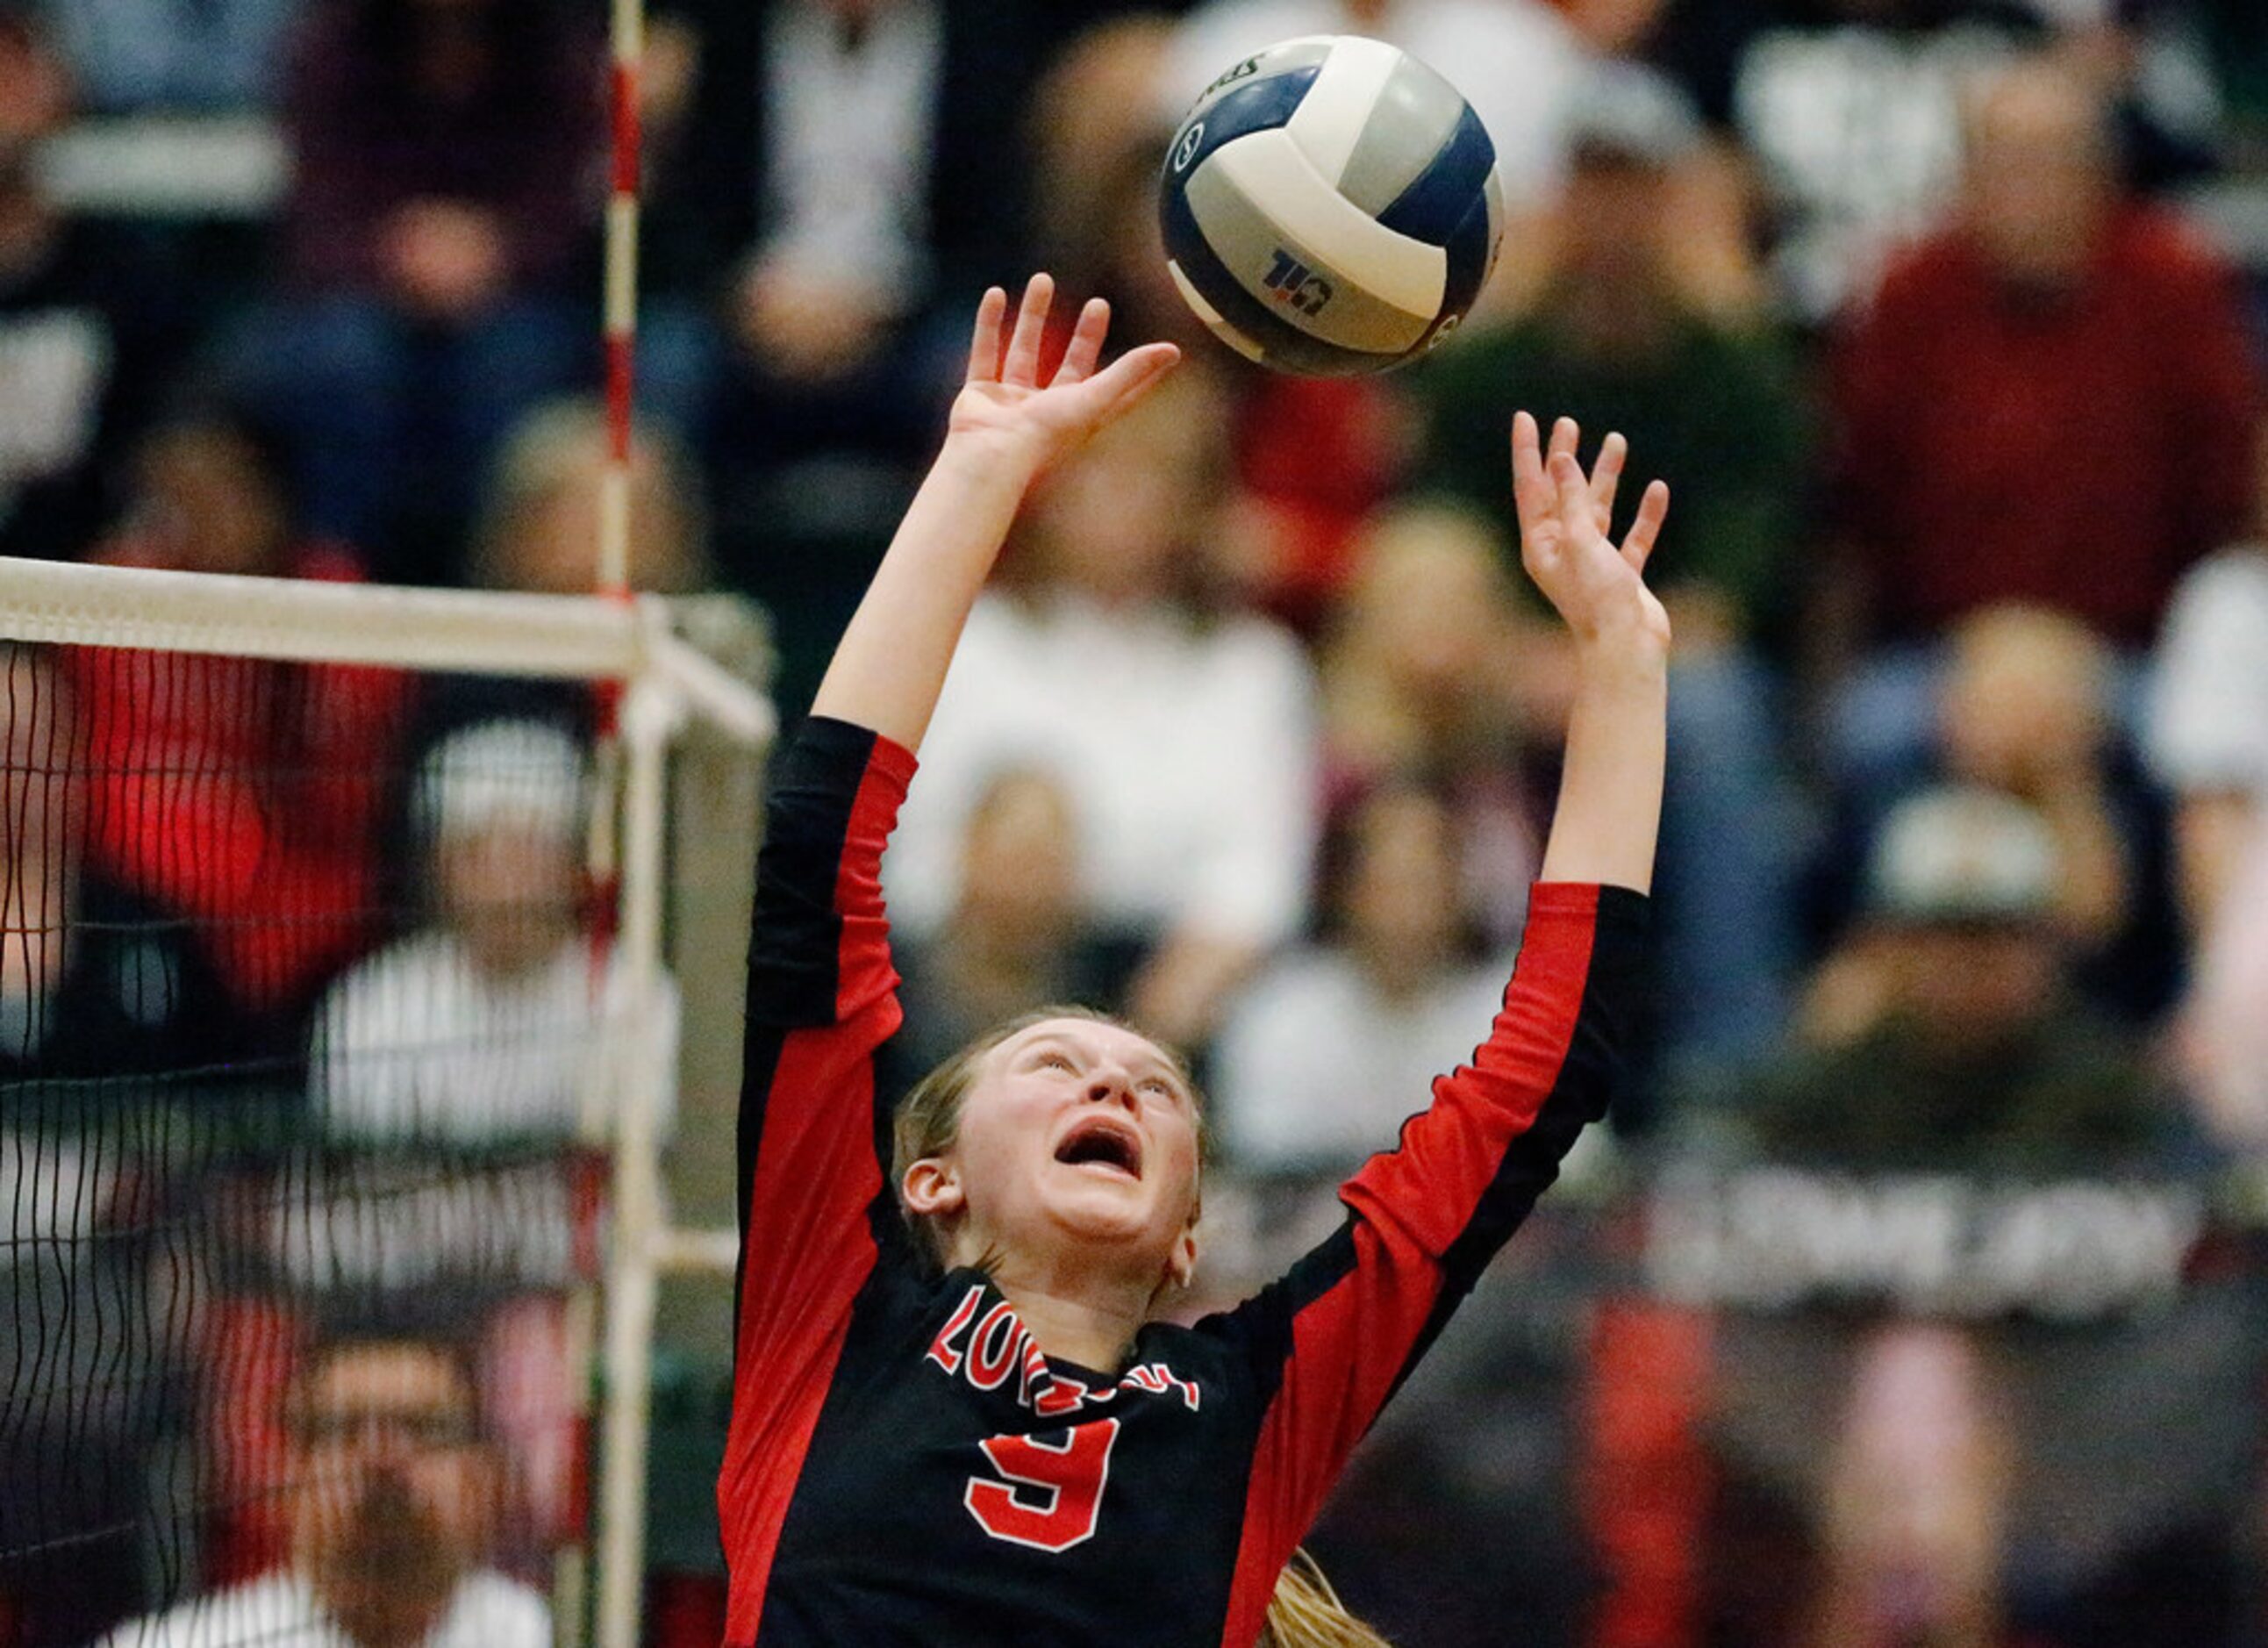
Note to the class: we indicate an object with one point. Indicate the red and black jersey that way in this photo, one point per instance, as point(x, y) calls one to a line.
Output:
point(905, 1467)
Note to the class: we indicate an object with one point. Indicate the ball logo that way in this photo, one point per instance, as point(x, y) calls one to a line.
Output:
point(1293, 284)
point(1449, 324)
point(1186, 149)
point(1244, 70)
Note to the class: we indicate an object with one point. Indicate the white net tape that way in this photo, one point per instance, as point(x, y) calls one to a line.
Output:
point(482, 632)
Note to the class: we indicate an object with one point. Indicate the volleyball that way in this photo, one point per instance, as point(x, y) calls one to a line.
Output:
point(1331, 206)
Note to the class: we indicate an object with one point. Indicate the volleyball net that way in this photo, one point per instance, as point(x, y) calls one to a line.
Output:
point(339, 1040)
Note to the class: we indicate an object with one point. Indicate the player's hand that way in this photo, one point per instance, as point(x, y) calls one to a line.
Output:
point(1005, 414)
point(1597, 587)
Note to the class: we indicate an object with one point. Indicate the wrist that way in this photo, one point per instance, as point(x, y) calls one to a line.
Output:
point(979, 459)
point(1636, 662)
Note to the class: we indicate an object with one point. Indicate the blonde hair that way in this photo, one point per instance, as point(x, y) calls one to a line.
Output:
point(565, 443)
point(1306, 1613)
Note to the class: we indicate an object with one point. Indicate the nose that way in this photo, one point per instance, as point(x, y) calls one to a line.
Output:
point(1109, 1081)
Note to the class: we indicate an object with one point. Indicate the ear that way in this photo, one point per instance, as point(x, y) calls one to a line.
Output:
point(932, 1189)
point(1182, 1262)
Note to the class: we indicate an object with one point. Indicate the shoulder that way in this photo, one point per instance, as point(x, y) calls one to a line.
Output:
point(274, 1607)
point(2223, 592)
point(409, 969)
point(2152, 242)
point(1931, 273)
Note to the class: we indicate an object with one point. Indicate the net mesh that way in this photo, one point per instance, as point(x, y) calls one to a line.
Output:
point(300, 1028)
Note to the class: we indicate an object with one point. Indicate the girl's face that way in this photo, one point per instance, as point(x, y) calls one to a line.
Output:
point(1078, 1148)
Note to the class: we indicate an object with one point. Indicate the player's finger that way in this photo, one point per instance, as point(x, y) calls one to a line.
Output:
point(1126, 379)
point(1573, 495)
point(1606, 475)
point(1085, 342)
point(985, 345)
point(1531, 492)
point(1653, 509)
point(1564, 433)
point(1023, 363)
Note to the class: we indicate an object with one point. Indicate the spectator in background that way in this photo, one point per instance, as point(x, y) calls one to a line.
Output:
point(537, 530)
point(1104, 666)
point(276, 771)
point(1965, 1047)
point(442, 182)
point(1316, 1060)
point(2026, 707)
point(1963, 1491)
point(1917, 1512)
point(1435, 676)
point(2207, 730)
point(848, 168)
point(203, 56)
point(1017, 937)
point(2026, 712)
point(1616, 340)
point(2053, 402)
point(483, 1023)
point(1851, 111)
point(87, 329)
point(2208, 742)
point(395, 1493)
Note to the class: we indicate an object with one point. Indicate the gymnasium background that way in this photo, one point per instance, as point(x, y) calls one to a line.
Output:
point(1916, 1298)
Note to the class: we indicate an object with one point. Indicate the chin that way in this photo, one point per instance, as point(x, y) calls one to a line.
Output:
point(1117, 1217)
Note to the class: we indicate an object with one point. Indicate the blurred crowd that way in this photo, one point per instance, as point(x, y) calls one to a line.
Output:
point(1942, 318)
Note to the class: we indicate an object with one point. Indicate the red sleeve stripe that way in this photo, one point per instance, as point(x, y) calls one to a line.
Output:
point(822, 998)
point(864, 947)
point(1427, 1216)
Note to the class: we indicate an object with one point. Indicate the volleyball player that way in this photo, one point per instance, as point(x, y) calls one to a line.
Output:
point(955, 1418)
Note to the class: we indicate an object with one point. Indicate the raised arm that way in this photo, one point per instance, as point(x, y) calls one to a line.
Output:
point(1006, 428)
point(822, 994)
point(1331, 1342)
point(1610, 808)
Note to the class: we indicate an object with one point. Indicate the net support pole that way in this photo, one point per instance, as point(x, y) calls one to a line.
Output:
point(651, 714)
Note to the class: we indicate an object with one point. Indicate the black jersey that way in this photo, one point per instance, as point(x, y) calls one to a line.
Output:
point(904, 1464)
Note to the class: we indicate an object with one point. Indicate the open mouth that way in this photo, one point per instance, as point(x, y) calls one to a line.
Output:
point(1101, 1141)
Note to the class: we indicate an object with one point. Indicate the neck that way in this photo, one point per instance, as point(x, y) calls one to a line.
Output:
point(1077, 1317)
point(1614, 316)
point(369, 1619)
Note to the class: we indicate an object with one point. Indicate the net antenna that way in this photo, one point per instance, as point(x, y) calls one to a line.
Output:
point(636, 1192)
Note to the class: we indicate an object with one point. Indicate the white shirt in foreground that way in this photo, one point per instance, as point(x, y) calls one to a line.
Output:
point(279, 1610)
point(1188, 750)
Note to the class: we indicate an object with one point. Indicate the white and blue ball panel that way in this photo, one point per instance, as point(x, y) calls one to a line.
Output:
point(1331, 206)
